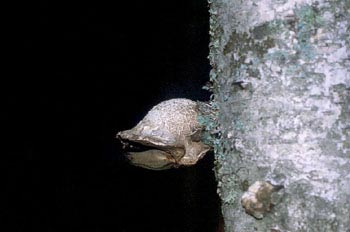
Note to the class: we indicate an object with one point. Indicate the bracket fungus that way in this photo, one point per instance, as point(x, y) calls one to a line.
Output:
point(169, 136)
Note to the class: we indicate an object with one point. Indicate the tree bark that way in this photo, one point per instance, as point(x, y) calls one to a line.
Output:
point(281, 86)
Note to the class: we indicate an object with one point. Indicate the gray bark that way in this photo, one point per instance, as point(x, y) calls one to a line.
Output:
point(281, 83)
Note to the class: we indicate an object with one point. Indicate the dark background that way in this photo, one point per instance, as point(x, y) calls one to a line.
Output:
point(82, 72)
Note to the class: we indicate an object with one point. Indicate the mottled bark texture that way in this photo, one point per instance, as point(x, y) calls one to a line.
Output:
point(281, 83)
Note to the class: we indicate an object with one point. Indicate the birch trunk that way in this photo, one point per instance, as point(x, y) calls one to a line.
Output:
point(281, 83)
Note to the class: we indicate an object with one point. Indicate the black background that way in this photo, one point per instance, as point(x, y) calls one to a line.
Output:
point(81, 72)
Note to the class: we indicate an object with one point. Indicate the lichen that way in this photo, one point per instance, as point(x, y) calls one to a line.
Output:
point(257, 47)
point(210, 123)
point(229, 195)
point(308, 20)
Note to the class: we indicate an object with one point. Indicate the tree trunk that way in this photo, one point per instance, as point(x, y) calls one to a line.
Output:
point(281, 83)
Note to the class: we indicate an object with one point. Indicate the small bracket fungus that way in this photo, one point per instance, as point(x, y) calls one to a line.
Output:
point(170, 133)
point(258, 200)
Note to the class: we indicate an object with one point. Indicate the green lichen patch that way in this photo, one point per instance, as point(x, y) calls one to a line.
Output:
point(246, 50)
point(266, 30)
point(280, 56)
point(208, 119)
point(229, 195)
point(242, 43)
point(308, 20)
